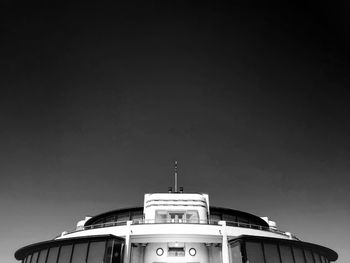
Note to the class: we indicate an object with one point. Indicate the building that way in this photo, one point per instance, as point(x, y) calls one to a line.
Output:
point(176, 227)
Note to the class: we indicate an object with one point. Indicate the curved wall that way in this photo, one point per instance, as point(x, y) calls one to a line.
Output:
point(104, 249)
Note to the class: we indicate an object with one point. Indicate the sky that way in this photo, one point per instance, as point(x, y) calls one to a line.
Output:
point(251, 99)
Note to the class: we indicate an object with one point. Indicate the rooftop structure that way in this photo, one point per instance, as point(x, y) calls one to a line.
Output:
point(175, 227)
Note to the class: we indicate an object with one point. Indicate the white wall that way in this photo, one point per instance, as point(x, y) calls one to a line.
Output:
point(150, 256)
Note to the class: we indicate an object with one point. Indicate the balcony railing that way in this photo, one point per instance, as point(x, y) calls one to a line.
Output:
point(196, 221)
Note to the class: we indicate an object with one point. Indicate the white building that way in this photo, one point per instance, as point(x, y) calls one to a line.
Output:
point(175, 227)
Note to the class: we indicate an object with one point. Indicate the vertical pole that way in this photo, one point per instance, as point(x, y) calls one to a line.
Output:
point(127, 242)
point(175, 176)
point(225, 256)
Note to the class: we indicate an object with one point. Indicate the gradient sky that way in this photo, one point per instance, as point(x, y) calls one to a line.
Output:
point(97, 102)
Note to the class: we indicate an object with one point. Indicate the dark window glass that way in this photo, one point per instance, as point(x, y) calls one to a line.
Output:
point(109, 252)
point(52, 257)
point(117, 253)
point(229, 218)
point(42, 256)
point(35, 257)
point(323, 259)
point(79, 253)
point(236, 255)
point(317, 258)
point(113, 252)
point(298, 255)
point(65, 253)
point(29, 258)
point(123, 217)
point(137, 216)
point(254, 252)
point(308, 256)
point(96, 252)
point(243, 221)
point(286, 254)
point(271, 253)
point(110, 219)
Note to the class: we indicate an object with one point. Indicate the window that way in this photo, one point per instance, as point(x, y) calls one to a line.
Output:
point(229, 218)
point(192, 217)
point(109, 252)
point(298, 255)
point(35, 257)
point(52, 257)
point(271, 253)
point(123, 217)
point(317, 258)
point(29, 258)
point(254, 252)
point(42, 256)
point(286, 254)
point(176, 217)
point(243, 221)
point(79, 253)
point(308, 256)
point(236, 256)
point(176, 252)
point(215, 218)
point(117, 256)
point(161, 216)
point(137, 216)
point(109, 220)
point(65, 253)
point(96, 252)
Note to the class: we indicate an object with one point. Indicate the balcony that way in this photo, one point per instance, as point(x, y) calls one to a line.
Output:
point(196, 221)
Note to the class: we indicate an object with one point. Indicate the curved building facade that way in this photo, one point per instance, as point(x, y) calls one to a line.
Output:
point(175, 227)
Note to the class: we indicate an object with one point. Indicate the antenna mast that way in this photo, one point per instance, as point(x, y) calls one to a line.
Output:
point(175, 175)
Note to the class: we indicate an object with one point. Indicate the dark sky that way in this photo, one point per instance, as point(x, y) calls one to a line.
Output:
point(98, 101)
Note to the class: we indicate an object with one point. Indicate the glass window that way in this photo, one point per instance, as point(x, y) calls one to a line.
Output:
point(308, 256)
point(42, 256)
point(109, 221)
point(243, 221)
point(109, 252)
point(29, 258)
point(35, 257)
point(52, 257)
point(161, 216)
point(177, 216)
point(65, 253)
point(317, 258)
point(298, 255)
point(254, 252)
point(123, 217)
point(271, 253)
point(117, 253)
point(229, 218)
point(192, 217)
point(137, 216)
point(236, 256)
point(79, 253)
point(176, 251)
point(215, 218)
point(96, 252)
point(286, 254)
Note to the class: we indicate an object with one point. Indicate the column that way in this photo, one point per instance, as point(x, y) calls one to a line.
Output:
point(225, 250)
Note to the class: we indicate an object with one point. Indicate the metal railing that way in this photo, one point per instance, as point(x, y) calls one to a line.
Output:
point(107, 224)
point(195, 221)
